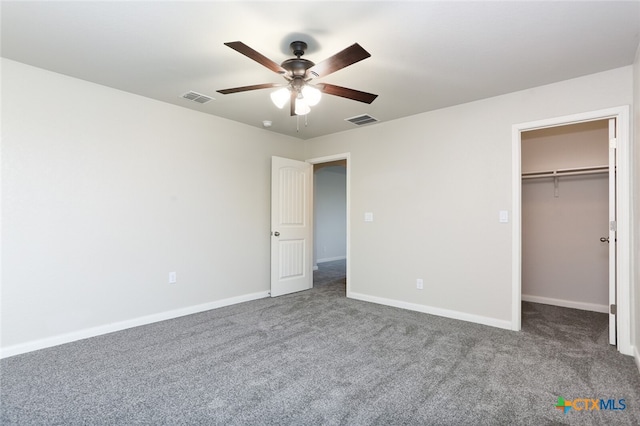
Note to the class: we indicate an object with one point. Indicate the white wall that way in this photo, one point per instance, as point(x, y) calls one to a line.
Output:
point(435, 183)
point(104, 193)
point(330, 213)
point(563, 261)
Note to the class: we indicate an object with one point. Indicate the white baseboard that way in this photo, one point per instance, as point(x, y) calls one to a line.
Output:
point(593, 307)
point(478, 319)
point(122, 325)
point(330, 259)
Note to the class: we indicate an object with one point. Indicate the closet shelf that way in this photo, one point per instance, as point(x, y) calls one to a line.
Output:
point(566, 172)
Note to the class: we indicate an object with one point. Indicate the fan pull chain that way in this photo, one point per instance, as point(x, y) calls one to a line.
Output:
point(306, 122)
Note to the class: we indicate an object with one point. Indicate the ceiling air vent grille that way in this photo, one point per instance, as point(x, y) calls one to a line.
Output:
point(361, 120)
point(197, 97)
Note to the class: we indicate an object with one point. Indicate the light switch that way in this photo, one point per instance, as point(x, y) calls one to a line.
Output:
point(368, 217)
point(504, 216)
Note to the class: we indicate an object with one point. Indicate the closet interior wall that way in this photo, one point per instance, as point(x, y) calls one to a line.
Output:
point(563, 260)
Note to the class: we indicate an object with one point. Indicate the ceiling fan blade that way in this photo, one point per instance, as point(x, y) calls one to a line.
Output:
point(348, 56)
point(247, 88)
point(344, 92)
point(239, 46)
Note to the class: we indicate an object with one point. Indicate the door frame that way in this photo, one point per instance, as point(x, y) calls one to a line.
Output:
point(623, 215)
point(328, 159)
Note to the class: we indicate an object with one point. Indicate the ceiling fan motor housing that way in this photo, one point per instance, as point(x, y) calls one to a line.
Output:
point(297, 67)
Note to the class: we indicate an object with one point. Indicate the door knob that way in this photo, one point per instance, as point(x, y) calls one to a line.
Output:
point(277, 234)
point(604, 240)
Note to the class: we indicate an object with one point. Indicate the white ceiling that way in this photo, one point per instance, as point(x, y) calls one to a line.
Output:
point(425, 55)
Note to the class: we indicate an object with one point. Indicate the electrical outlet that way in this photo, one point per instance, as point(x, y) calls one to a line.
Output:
point(172, 277)
point(419, 284)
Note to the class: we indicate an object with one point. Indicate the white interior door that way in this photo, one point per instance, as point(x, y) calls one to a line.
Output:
point(612, 231)
point(291, 228)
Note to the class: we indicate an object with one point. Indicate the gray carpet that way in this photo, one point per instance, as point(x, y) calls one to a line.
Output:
point(315, 358)
point(329, 272)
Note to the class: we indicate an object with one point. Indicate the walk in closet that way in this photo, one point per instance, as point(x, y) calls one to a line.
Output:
point(565, 202)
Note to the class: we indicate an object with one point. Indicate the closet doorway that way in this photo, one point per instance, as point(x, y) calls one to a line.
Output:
point(565, 217)
point(620, 245)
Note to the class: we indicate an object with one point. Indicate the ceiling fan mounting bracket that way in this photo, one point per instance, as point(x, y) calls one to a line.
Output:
point(297, 67)
point(298, 48)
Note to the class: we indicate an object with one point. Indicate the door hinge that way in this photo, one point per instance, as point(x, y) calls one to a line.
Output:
point(613, 226)
point(613, 309)
point(613, 143)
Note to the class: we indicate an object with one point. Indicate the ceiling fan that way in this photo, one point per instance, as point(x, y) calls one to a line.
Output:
point(299, 72)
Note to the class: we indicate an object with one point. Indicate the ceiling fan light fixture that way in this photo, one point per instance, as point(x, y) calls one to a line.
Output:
point(302, 107)
point(312, 95)
point(280, 97)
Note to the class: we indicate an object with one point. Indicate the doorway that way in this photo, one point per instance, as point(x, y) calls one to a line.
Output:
point(565, 224)
point(622, 224)
point(329, 222)
point(331, 206)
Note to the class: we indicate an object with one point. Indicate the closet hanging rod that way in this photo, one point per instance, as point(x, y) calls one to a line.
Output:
point(566, 172)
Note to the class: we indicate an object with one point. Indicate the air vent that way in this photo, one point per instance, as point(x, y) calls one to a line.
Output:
point(361, 120)
point(197, 97)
